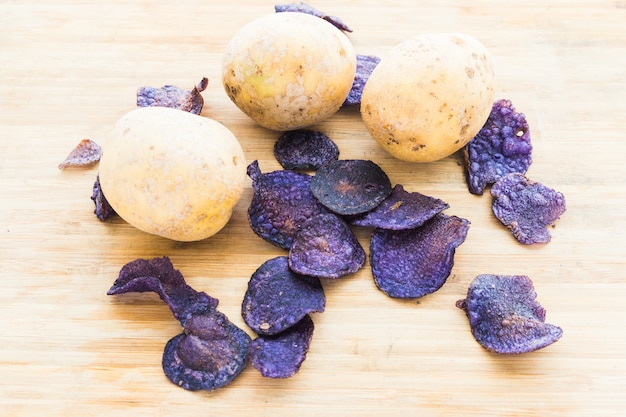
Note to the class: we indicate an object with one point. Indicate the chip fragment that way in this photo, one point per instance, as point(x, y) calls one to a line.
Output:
point(401, 210)
point(365, 64)
point(415, 262)
point(504, 315)
point(85, 154)
point(282, 355)
point(305, 8)
point(211, 352)
point(502, 146)
point(325, 247)
point(305, 149)
point(103, 210)
point(526, 207)
point(350, 186)
point(281, 202)
point(175, 97)
point(278, 298)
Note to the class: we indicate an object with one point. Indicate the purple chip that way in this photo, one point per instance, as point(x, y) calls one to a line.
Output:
point(305, 8)
point(211, 351)
point(502, 146)
point(415, 262)
point(277, 298)
point(526, 207)
point(85, 154)
point(305, 149)
point(350, 186)
point(325, 247)
point(282, 201)
point(505, 317)
point(401, 210)
point(174, 97)
point(365, 64)
point(282, 355)
point(209, 354)
point(103, 210)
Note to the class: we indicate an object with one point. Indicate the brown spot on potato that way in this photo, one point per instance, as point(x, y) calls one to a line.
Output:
point(470, 72)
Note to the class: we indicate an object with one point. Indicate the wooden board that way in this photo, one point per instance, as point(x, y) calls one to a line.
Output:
point(70, 69)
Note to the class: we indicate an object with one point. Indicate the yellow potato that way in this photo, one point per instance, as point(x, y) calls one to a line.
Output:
point(172, 173)
point(288, 70)
point(429, 96)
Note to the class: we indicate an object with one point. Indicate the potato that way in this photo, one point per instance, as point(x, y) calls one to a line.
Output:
point(429, 96)
point(288, 70)
point(172, 173)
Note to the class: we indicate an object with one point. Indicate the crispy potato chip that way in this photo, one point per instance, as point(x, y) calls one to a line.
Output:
point(415, 262)
point(211, 351)
point(103, 210)
point(305, 149)
point(282, 201)
point(505, 317)
point(85, 154)
point(502, 146)
point(401, 210)
point(325, 247)
point(175, 97)
point(277, 298)
point(350, 186)
point(365, 64)
point(526, 207)
point(305, 8)
point(282, 355)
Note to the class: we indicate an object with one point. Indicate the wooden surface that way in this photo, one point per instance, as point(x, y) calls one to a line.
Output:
point(69, 69)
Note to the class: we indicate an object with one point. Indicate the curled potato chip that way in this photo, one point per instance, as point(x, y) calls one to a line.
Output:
point(415, 262)
point(85, 154)
point(305, 149)
point(277, 298)
point(526, 207)
point(365, 64)
point(401, 210)
point(325, 247)
point(505, 317)
point(174, 97)
point(282, 355)
point(282, 201)
point(502, 146)
point(350, 186)
point(302, 7)
point(211, 351)
point(103, 210)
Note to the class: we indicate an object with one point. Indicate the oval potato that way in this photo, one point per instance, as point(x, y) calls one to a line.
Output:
point(172, 173)
point(288, 70)
point(429, 96)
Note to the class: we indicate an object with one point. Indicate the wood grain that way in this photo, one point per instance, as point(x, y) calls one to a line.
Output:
point(69, 69)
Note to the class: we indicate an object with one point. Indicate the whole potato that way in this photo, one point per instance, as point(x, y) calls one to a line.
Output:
point(429, 96)
point(288, 70)
point(172, 173)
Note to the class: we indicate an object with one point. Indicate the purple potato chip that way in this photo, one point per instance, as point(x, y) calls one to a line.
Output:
point(505, 317)
point(350, 186)
point(365, 64)
point(85, 154)
point(502, 146)
point(305, 149)
point(282, 201)
point(526, 207)
point(277, 298)
point(325, 247)
point(305, 8)
point(158, 275)
point(103, 210)
point(209, 354)
point(282, 355)
point(173, 97)
point(401, 210)
point(415, 262)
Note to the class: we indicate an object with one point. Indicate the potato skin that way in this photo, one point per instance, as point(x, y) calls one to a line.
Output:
point(288, 70)
point(172, 173)
point(429, 96)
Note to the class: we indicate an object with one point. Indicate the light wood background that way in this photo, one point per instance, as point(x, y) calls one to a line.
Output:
point(69, 69)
